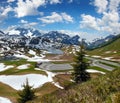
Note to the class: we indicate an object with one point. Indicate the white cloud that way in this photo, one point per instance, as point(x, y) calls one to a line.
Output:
point(114, 4)
point(56, 17)
point(55, 1)
point(101, 5)
point(108, 23)
point(110, 20)
point(23, 21)
point(28, 24)
point(4, 12)
point(83, 35)
point(28, 7)
point(89, 21)
point(32, 24)
point(67, 17)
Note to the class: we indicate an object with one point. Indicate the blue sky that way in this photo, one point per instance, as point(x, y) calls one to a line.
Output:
point(88, 18)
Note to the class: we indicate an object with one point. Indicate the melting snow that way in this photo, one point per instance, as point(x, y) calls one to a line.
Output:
point(32, 52)
point(34, 59)
point(95, 56)
point(4, 100)
point(35, 80)
point(4, 67)
point(16, 81)
point(108, 58)
point(15, 32)
point(94, 71)
point(50, 76)
point(25, 66)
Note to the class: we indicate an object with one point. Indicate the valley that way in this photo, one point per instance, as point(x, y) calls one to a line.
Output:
point(46, 63)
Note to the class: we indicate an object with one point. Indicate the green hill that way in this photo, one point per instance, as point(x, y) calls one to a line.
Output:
point(105, 89)
point(111, 49)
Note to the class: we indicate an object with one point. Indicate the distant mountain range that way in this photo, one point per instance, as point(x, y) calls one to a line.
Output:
point(110, 48)
point(37, 39)
point(53, 36)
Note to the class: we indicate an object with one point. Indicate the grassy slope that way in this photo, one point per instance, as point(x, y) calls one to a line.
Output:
point(114, 46)
point(103, 89)
point(15, 71)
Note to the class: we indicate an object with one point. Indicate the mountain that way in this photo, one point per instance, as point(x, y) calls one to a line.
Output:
point(1, 33)
point(27, 32)
point(111, 48)
point(34, 39)
point(56, 36)
point(99, 42)
point(53, 36)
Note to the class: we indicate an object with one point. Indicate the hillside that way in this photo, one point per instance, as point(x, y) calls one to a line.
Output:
point(112, 49)
point(103, 89)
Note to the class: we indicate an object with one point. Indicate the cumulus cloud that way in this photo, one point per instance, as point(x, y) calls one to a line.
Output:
point(67, 17)
point(56, 17)
point(27, 24)
point(4, 12)
point(55, 1)
point(110, 20)
point(114, 4)
point(89, 22)
point(23, 21)
point(28, 7)
point(101, 5)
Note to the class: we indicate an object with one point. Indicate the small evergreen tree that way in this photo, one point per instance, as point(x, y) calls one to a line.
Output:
point(28, 93)
point(80, 66)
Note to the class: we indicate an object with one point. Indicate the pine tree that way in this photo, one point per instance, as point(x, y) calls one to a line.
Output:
point(28, 93)
point(80, 66)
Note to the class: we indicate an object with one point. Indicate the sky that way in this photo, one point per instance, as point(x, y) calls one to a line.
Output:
point(88, 18)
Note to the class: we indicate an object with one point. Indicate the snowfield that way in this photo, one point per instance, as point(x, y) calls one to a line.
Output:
point(94, 71)
point(35, 80)
point(32, 52)
point(16, 81)
point(34, 59)
point(4, 100)
point(24, 66)
point(4, 67)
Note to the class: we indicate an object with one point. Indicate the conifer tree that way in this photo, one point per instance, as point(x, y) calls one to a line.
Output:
point(28, 93)
point(80, 66)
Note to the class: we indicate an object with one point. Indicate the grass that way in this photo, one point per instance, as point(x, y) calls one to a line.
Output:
point(8, 92)
point(98, 68)
point(105, 89)
point(15, 71)
point(114, 46)
point(63, 79)
point(109, 65)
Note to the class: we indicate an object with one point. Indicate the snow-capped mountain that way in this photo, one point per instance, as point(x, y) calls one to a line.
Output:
point(53, 36)
point(100, 42)
point(1, 33)
point(27, 32)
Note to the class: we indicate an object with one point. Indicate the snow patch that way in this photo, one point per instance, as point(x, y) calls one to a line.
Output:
point(4, 100)
point(33, 59)
point(4, 67)
point(32, 52)
point(50, 76)
point(24, 66)
point(96, 56)
point(16, 82)
point(94, 71)
point(107, 58)
point(14, 32)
